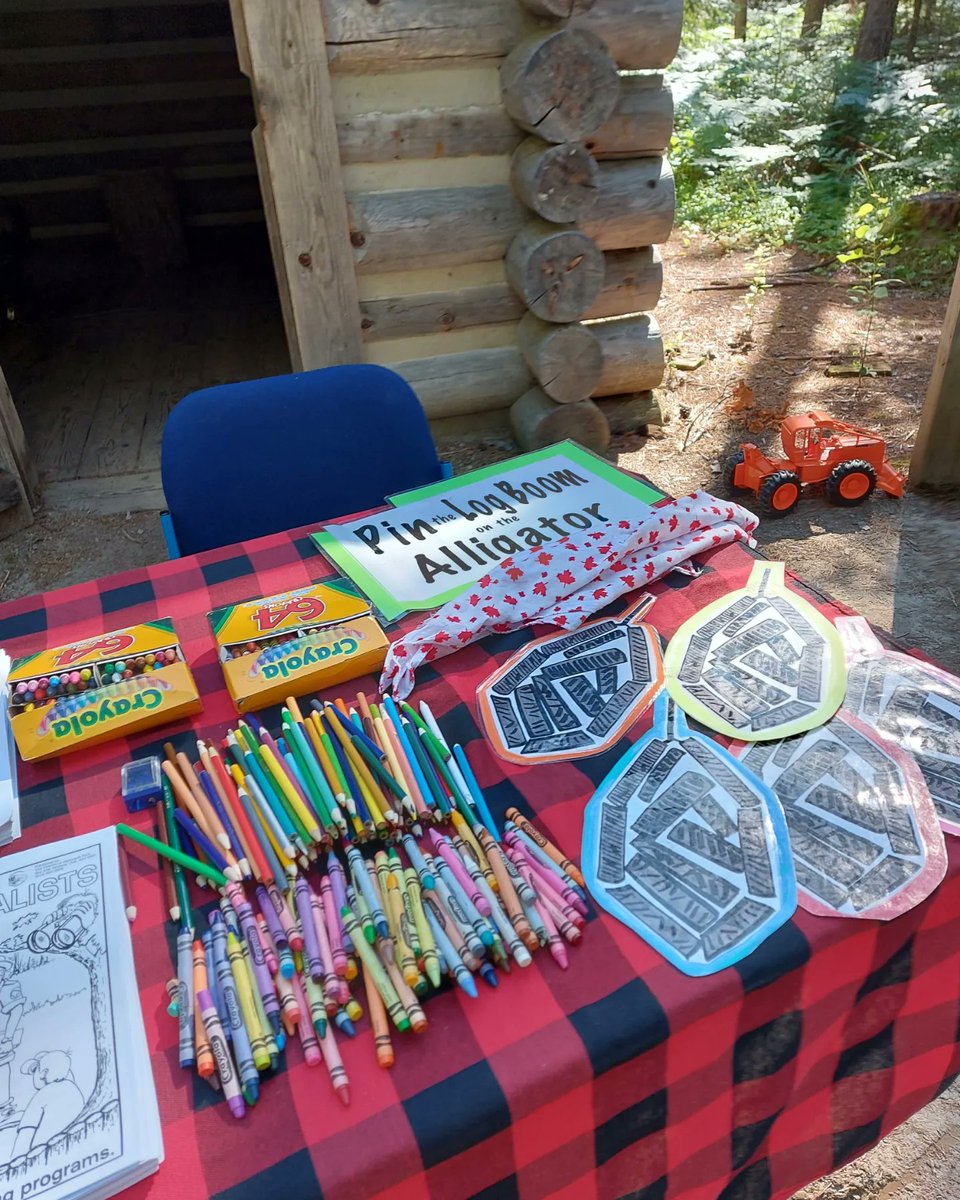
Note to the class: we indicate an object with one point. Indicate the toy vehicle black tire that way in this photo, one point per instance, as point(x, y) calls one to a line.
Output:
point(770, 497)
point(845, 486)
point(730, 466)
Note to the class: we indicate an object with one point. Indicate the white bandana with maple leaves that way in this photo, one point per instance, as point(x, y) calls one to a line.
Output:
point(566, 582)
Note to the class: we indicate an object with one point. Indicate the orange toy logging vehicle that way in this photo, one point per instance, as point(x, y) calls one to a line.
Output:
point(817, 448)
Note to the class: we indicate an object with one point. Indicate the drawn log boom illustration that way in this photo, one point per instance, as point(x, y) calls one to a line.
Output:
point(688, 848)
point(757, 664)
point(569, 695)
point(863, 829)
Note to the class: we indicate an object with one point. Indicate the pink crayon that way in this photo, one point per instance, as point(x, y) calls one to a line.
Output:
point(455, 863)
point(334, 933)
point(331, 981)
point(565, 896)
point(565, 926)
point(557, 948)
point(266, 941)
point(308, 1036)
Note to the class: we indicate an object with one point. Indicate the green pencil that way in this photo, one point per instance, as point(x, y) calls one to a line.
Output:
point(177, 856)
point(378, 769)
point(459, 799)
point(313, 777)
point(425, 729)
point(173, 840)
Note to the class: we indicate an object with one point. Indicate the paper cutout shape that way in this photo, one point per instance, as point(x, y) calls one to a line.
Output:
point(863, 829)
point(688, 848)
point(570, 695)
point(758, 664)
point(911, 703)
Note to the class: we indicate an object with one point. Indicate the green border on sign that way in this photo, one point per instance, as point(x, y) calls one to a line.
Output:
point(389, 605)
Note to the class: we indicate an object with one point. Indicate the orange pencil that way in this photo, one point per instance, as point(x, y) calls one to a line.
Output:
point(508, 895)
point(365, 712)
point(235, 810)
point(406, 773)
point(193, 783)
point(185, 797)
point(247, 864)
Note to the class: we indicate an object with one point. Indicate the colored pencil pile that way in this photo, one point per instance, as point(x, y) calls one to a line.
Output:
point(414, 883)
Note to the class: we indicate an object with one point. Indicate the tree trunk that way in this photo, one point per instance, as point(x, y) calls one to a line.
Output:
point(740, 19)
point(876, 30)
point(812, 17)
point(101, 1025)
point(914, 31)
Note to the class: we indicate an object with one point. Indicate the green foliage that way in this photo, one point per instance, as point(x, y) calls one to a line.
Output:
point(874, 244)
point(775, 134)
point(758, 284)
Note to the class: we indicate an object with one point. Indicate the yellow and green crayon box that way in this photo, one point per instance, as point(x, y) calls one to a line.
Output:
point(296, 642)
point(99, 688)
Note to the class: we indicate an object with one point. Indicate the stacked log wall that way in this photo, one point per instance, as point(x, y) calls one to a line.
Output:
point(436, 177)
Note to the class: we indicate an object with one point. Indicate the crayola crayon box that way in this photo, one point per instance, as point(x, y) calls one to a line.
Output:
point(99, 688)
point(296, 642)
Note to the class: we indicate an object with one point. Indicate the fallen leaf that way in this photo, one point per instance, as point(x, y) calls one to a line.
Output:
point(741, 398)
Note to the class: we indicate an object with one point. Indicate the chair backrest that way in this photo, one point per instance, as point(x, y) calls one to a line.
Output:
point(246, 459)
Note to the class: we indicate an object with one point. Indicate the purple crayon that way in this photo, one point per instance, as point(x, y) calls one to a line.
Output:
point(221, 1052)
point(251, 935)
point(339, 885)
point(311, 942)
point(277, 932)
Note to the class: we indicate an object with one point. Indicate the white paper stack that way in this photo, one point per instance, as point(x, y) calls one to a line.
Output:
point(78, 1108)
point(9, 795)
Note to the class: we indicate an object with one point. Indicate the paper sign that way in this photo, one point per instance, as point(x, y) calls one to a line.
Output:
point(441, 538)
point(757, 664)
point(689, 848)
point(863, 829)
point(568, 695)
point(911, 703)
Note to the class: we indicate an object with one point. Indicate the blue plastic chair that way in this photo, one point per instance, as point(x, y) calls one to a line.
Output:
point(247, 459)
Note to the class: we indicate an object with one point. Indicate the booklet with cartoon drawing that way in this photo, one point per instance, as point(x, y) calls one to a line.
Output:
point(78, 1109)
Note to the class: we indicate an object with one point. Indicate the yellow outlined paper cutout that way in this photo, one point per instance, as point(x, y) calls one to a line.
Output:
point(758, 664)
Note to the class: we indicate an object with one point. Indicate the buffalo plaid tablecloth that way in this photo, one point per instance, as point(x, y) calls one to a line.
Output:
point(618, 1078)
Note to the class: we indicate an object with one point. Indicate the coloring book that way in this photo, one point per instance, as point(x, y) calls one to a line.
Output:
point(78, 1110)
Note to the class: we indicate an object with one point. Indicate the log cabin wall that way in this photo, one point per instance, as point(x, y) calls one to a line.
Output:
point(89, 88)
point(427, 165)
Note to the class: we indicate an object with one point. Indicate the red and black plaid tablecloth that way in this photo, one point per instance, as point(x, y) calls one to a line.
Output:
point(618, 1078)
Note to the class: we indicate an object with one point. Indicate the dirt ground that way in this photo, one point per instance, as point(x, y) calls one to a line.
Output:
point(894, 561)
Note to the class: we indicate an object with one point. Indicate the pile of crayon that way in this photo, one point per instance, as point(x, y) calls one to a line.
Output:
point(414, 885)
point(28, 694)
point(142, 664)
point(284, 639)
point(87, 680)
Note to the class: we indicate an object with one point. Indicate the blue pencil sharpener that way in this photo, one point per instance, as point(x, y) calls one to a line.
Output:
point(140, 783)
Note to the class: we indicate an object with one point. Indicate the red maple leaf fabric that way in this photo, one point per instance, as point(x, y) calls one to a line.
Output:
point(569, 587)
